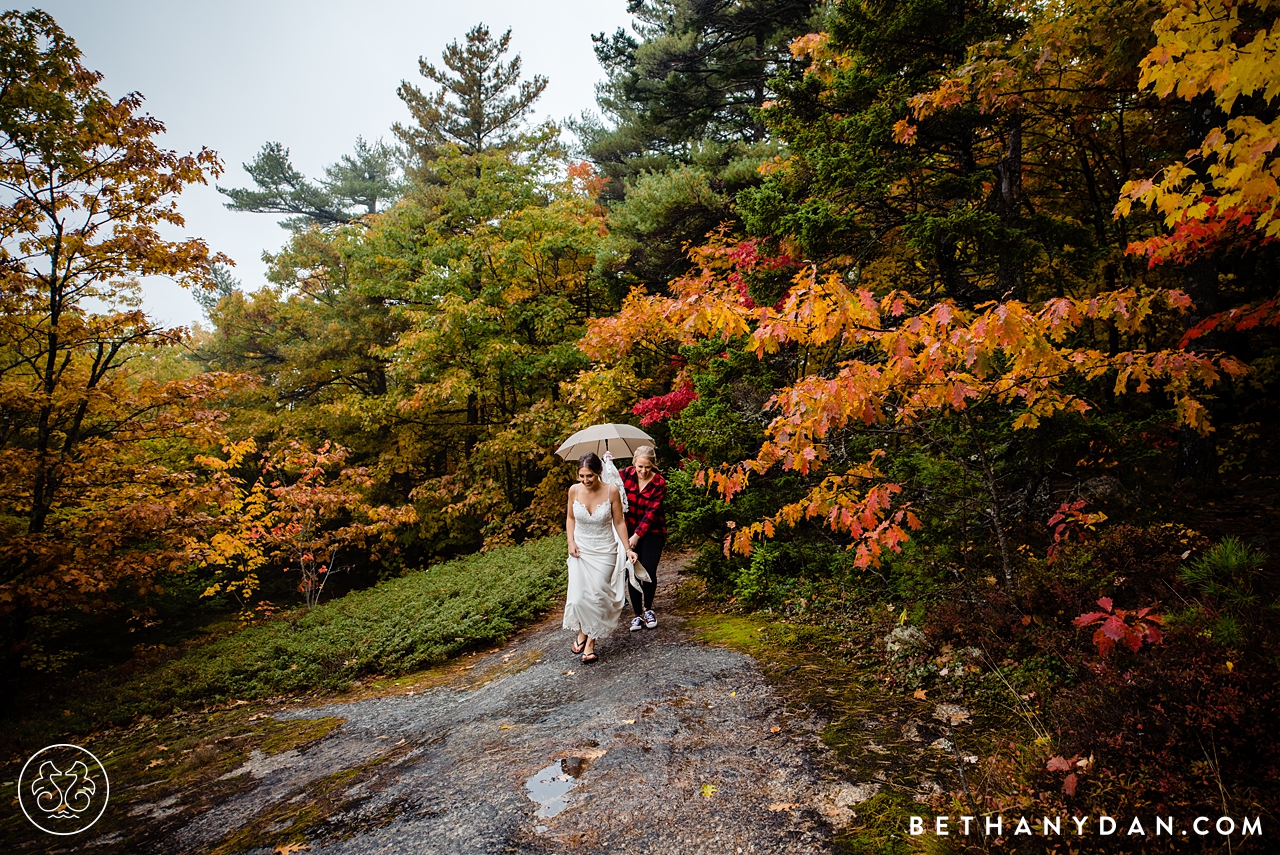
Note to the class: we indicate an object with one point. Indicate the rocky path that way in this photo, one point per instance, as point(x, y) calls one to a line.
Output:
point(663, 746)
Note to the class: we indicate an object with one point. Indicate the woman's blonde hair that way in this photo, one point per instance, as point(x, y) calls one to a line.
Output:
point(648, 452)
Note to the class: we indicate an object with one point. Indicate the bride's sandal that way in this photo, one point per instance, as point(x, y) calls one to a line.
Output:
point(578, 646)
point(588, 658)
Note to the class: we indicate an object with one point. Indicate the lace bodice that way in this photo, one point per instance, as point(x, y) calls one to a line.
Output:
point(594, 528)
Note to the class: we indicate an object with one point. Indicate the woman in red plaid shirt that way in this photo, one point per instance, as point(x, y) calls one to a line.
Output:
point(647, 522)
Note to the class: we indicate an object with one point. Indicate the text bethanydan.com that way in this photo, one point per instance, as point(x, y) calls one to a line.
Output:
point(1081, 826)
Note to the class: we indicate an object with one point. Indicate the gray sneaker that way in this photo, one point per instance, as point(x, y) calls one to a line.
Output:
point(637, 623)
point(650, 620)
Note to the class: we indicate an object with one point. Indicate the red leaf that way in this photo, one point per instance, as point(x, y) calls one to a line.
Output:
point(1090, 618)
point(1069, 785)
point(1105, 602)
point(1105, 645)
point(1058, 764)
point(1132, 640)
point(1114, 628)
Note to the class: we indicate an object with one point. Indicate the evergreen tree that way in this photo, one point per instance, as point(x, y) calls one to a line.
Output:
point(362, 183)
point(367, 180)
point(700, 70)
point(684, 133)
point(480, 106)
point(223, 285)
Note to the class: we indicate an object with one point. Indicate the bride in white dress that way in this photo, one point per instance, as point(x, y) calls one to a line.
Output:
point(599, 560)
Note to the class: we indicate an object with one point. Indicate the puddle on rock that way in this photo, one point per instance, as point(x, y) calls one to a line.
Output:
point(550, 787)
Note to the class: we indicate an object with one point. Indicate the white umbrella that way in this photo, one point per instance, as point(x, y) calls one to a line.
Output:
point(622, 440)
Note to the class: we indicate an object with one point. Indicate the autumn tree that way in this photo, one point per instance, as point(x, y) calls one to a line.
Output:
point(966, 313)
point(1218, 201)
point(892, 364)
point(305, 514)
point(91, 493)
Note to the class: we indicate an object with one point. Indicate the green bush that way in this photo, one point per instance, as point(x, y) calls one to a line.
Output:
point(402, 625)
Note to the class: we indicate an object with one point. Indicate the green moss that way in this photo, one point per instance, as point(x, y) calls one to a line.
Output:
point(880, 827)
point(288, 822)
point(297, 733)
point(747, 634)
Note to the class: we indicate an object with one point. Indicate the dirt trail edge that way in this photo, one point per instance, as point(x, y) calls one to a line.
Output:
point(665, 745)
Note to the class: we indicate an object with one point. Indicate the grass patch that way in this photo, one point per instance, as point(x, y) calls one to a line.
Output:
point(398, 627)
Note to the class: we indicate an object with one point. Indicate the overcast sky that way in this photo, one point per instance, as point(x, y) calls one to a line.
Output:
point(311, 74)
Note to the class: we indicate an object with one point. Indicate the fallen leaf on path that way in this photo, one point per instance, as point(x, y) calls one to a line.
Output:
point(504, 727)
point(569, 673)
point(155, 763)
point(919, 695)
point(291, 848)
point(708, 790)
point(628, 721)
point(775, 729)
point(779, 806)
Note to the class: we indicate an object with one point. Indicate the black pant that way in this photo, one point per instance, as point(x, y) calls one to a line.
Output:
point(649, 550)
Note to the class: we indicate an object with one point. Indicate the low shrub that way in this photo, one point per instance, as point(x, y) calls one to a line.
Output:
point(401, 625)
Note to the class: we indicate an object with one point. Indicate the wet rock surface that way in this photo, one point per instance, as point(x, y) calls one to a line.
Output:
point(663, 745)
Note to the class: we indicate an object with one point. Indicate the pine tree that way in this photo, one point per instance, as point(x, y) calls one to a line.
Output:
point(482, 105)
point(223, 285)
point(701, 70)
point(681, 133)
point(362, 183)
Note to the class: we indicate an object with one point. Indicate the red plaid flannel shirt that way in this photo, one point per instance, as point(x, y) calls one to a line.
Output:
point(644, 508)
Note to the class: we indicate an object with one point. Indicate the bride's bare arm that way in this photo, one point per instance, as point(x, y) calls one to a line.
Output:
point(570, 524)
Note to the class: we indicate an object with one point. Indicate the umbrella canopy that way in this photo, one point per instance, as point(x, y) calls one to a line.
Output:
point(622, 440)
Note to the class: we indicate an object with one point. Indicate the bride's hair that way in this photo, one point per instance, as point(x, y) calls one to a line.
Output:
point(592, 461)
point(648, 452)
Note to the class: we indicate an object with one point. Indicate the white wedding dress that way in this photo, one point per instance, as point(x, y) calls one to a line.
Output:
point(598, 577)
